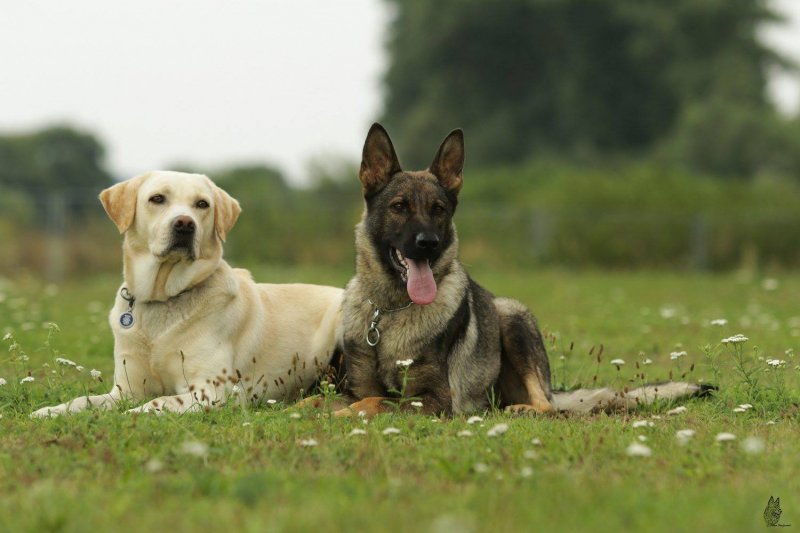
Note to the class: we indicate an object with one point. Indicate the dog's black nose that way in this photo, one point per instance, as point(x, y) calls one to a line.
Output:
point(427, 241)
point(183, 224)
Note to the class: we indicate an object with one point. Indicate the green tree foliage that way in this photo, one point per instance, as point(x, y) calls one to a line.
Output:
point(572, 77)
point(57, 159)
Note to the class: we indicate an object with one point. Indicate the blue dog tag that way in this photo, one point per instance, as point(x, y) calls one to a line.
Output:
point(126, 319)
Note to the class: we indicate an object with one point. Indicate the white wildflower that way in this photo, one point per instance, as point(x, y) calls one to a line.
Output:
point(195, 448)
point(464, 433)
point(405, 362)
point(677, 355)
point(639, 450)
point(617, 362)
point(154, 465)
point(331, 386)
point(3, 382)
point(272, 402)
point(26, 379)
point(295, 416)
point(416, 404)
point(643, 424)
point(753, 445)
point(736, 339)
point(391, 431)
point(684, 436)
point(474, 420)
point(719, 322)
point(308, 443)
point(79, 368)
point(65, 362)
point(236, 389)
point(739, 410)
point(770, 422)
point(8, 336)
point(480, 468)
point(725, 437)
point(245, 424)
point(642, 438)
point(357, 431)
point(668, 312)
point(776, 362)
point(497, 430)
point(536, 441)
point(746, 406)
point(95, 373)
point(769, 284)
point(678, 410)
point(526, 471)
point(647, 361)
point(530, 454)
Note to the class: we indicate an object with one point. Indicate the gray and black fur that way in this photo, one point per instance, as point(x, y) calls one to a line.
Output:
point(467, 345)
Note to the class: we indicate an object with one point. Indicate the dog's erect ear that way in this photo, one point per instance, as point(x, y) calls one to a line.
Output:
point(226, 212)
point(378, 160)
point(448, 163)
point(119, 201)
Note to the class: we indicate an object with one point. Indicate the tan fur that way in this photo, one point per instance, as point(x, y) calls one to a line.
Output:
point(204, 332)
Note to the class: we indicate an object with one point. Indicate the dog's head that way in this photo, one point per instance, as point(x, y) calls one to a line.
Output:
point(172, 214)
point(409, 215)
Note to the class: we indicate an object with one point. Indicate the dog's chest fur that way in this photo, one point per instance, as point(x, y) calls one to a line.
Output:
point(405, 333)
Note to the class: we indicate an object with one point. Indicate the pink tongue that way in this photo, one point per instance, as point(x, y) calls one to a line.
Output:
point(420, 286)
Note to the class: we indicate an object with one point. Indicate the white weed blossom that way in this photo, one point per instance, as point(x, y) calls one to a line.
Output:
point(736, 339)
point(405, 363)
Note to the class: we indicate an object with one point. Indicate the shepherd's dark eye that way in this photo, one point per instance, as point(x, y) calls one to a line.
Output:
point(202, 204)
point(157, 199)
point(438, 209)
point(398, 207)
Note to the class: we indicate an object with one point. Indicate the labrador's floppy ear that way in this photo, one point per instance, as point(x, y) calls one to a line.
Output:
point(448, 163)
point(378, 161)
point(119, 201)
point(226, 212)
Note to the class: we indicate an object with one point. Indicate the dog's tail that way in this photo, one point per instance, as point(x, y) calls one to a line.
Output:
point(609, 400)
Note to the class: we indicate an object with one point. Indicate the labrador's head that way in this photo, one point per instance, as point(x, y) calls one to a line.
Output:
point(173, 214)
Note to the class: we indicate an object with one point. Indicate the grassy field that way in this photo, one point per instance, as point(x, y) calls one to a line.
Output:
point(247, 469)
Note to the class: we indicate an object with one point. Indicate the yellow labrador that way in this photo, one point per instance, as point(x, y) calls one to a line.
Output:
point(190, 332)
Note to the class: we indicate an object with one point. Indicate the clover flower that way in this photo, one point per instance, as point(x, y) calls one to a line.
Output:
point(684, 436)
point(638, 450)
point(725, 437)
point(497, 430)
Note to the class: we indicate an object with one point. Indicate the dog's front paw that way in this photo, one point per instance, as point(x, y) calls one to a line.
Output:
point(149, 407)
point(366, 408)
point(52, 411)
point(530, 409)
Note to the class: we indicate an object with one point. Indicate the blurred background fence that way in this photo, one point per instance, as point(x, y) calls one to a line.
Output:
point(65, 233)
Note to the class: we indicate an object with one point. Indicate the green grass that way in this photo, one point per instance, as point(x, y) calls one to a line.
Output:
point(102, 471)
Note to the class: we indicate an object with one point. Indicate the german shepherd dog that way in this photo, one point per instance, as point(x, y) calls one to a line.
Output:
point(415, 323)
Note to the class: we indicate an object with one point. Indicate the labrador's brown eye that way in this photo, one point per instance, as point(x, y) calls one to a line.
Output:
point(157, 199)
point(201, 204)
point(438, 209)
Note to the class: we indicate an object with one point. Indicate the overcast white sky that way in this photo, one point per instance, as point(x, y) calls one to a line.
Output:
point(208, 83)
